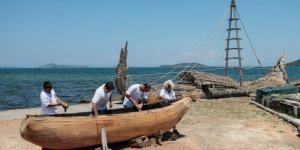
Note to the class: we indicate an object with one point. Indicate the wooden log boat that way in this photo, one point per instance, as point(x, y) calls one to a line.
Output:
point(69, 131)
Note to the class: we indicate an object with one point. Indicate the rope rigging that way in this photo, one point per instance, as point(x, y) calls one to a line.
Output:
point(190, 66)
point(252, 47)
point(210, 36)
point(222, 22)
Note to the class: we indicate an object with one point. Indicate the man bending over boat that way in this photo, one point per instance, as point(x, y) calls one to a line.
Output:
point(101, 97)
point(49, 100)
point(168, 94)
point(135, 93)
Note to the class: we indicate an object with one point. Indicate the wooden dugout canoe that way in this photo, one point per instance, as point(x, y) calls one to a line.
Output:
point(69, 132)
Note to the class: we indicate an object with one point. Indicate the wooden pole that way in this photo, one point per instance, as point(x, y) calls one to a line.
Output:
point(239, 49)
point(228, 42)
point(233, 17)
point(292, 120)
point(103, 139)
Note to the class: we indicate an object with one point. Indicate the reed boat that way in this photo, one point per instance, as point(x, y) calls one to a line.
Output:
point(77, 130)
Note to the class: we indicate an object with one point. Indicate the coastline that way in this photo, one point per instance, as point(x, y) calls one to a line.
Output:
point(13, 114)
point(10, 121)
point(21, 113)
point(81, 107)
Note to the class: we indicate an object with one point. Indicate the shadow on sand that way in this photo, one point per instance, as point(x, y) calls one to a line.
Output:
point(167, 136)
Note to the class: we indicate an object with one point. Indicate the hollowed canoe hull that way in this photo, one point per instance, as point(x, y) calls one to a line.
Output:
point(61, 132)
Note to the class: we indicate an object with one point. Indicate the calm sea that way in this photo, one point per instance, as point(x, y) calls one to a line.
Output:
point(20, 88)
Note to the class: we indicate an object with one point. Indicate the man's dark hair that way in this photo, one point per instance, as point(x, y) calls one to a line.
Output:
point(147, 85)
point(47, 84)
point(109, 85)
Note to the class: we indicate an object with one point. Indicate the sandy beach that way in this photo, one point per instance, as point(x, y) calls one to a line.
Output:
point(230, 123)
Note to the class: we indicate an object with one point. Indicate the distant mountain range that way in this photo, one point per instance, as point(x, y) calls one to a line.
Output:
point(184, 65)
point(294, 63)
point(53, 65)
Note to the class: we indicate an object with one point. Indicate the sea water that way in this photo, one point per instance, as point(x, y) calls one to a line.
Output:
point(21, 87)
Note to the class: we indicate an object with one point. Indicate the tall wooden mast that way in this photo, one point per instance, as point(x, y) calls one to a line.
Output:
point(233, 27)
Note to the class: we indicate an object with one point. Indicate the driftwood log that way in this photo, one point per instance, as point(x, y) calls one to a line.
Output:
point(292, 120)
point(223, 93)
point(121, 69)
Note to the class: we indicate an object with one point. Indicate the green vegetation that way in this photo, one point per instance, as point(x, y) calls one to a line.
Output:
point(184, 65)
point(294, 63)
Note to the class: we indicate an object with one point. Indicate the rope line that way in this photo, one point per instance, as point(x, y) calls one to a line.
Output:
point(252, 47)
point(211, 35)
point(213, 31)
point(136, 75)
point(190, 66)
point(207, 69)
point(222, 22)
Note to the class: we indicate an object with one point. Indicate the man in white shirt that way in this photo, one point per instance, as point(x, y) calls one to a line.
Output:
point(101, 97)
point(49, 101)
point(135, 93)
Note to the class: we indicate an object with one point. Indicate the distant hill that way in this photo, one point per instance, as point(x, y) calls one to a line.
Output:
point(184, 65)
point(294, 63)
point(53, 65)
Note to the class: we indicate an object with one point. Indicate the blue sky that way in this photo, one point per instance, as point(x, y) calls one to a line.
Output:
point(73, 32)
